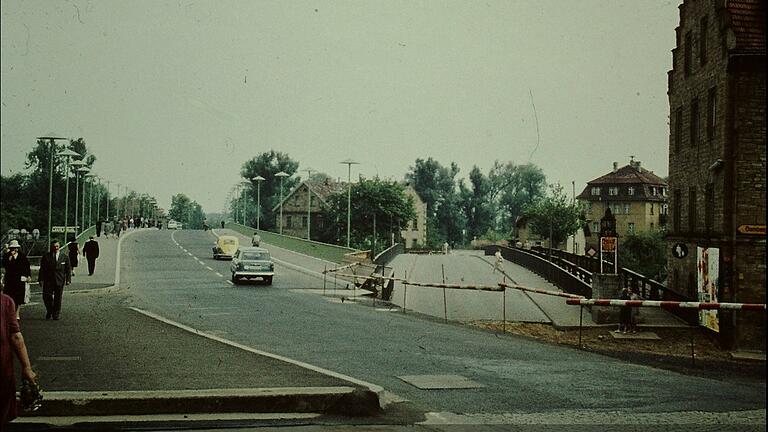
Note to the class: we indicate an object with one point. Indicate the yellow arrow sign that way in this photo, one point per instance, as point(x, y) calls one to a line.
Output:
point(751, 229)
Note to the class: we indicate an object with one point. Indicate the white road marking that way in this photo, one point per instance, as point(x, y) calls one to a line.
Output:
point(209, 268)
point(60, 358)
point(229, 282)
point(219, 274)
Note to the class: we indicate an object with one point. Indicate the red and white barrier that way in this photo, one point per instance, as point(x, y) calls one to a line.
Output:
point(666, 304)
point(541, 291)
point(354, 264)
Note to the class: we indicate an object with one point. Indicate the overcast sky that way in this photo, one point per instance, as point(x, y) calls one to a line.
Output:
point(173, 96)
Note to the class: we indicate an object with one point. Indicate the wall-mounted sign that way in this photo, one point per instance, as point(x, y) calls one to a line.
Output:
point(608, 244)
point(60, 229)
point(679, 250)
point(708, 266)
point(591, 251)
point(751, 229)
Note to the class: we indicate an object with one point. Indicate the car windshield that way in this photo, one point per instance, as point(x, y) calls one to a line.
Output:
point(228, 241)
point(254, 256)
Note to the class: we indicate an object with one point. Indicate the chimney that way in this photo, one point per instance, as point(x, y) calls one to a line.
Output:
point(615, 166)
point(635, 164)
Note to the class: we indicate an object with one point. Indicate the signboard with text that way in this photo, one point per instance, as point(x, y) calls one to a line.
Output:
point(751, 229)
point(60, 229)
point(608, 244)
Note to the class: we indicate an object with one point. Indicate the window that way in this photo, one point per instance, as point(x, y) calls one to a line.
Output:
point(630, 190)
point(678, 128)
point(626, 208)
point(595, 191)
point(654, 191)
point(692, 210)
point(703, 40)
point(687, 54)
point(709, 207)
point(694, 122)
point(651, 225)
point(304, 221)
point(595, 227)
point(631, 227)
point(677, 210)
point(613, 191)
point(711, 113)
point(663, 191)
point(288, 221)
point(652, 208)
point(415, 224)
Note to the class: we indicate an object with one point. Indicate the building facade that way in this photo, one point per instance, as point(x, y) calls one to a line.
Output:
point(637, 198)
point(299, 211)
point(717, 154)
point(414, 234)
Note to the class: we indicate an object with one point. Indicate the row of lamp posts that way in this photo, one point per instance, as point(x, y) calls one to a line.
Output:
point(79, 168)
point(282, 175)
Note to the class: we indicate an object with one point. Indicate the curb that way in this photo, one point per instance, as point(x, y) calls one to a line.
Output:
point(329, 400)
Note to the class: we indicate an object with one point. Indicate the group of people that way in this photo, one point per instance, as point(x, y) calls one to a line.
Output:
point(628, 315)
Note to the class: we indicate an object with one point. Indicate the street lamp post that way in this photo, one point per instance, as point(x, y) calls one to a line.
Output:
point(309, 202)
point(107, 216)
point(68, 153)
point(98, 200)
point(282, 175)
point(84, 170)
point(77, 164)
point(245, 202)
point(258, 180)
point(349, 163)
point(90, 198)
point(52, 138)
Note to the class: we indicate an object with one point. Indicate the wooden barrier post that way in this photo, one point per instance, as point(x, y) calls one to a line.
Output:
point(581, 318)
point(693, 349)
point(504, 306)
point(405, 289)
point(325, 276)
point(445, 301)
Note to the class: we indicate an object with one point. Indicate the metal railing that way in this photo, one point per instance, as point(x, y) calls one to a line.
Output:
point(565, 275)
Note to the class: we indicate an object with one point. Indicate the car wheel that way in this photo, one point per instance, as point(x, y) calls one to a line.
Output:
point(234, 278)
point(268, 280)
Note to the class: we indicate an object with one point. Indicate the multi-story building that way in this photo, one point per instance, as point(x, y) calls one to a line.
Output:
point(637, 198)
point(717, 167)
point(414, 234)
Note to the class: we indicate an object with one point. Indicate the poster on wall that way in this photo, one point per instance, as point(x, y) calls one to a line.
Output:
point(708, 267)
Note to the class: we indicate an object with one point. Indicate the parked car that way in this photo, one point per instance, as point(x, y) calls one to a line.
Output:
point(225, 247)
point(172, 224)
point(252, 262)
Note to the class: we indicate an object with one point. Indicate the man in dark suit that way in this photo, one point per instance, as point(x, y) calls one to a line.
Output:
point(55, 273)
point(91, 252)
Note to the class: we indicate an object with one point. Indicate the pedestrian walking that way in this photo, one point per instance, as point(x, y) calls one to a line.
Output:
point(11, 343)
point(91, 252)
point(55, 273)
point(98, 227)
point(499, 263)
point(17, 273)
point(35, 233)
point(256, 239)
point(73, 249)
point(222, 224)
point(625, 312)
point(634, 311)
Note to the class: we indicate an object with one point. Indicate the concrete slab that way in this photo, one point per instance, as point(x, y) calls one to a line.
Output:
point(435, 382)
point(748, 355)
point(635, 336)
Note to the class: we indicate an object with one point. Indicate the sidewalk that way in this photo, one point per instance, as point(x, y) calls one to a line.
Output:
point(105, 359)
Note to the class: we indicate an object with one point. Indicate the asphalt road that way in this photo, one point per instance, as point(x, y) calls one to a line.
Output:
point(172, 274)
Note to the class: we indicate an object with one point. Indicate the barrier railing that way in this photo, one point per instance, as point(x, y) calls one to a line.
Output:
point(565, 275)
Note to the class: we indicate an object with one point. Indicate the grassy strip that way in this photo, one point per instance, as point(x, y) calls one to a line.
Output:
point(323, 251)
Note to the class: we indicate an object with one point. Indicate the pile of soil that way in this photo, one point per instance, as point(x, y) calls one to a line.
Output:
point(673, 350)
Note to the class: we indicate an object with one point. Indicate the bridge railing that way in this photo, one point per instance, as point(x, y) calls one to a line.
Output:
point(565, 275)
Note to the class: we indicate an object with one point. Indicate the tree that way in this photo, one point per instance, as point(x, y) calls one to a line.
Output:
point(554, 216)
point(436, 186)
point(378, 208)
point(186, 211)
point(645, 253)
point(515, 187)
point(476, 204)
point(266, 165)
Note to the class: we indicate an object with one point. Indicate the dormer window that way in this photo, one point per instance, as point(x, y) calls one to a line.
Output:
point(630, 190)
point(595, 191)
point(613, 190)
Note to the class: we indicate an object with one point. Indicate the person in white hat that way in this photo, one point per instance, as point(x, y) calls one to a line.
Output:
point(17, 272)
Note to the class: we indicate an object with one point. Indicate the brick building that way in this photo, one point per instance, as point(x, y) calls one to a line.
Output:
point(717, 156)
point(637, 198)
